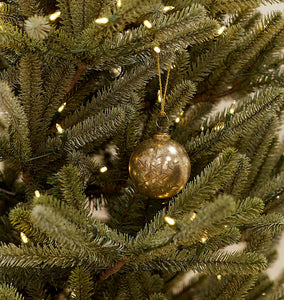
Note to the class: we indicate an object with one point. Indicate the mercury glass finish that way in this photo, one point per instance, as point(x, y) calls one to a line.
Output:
point(159, 167)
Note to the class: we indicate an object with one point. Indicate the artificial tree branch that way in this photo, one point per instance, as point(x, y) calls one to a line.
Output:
point(76, 77)
point(114, 269)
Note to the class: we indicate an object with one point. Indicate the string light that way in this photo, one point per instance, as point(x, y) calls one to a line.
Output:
point(232, 108)
point(60, 109)
point(103, 20)
point(1, 4)
point(159, 96)
point(118, 3)
point(37, 193)
point(103, 169)
point(221, 30)
point(278, 197)
point(157, 49)
point(226, 226)
point(24, 238)
point(263, 294)
point(181, 113)
point(219, 126)
point(219, 277)
point(170, 220)
point(168, 8)
point(202, 128)
point(193, 216)
point(54, 16)
point(59, 128)
point(147, 24)
point(177, 120)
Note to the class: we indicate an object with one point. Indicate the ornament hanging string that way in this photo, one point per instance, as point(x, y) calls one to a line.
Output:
point(163, 95)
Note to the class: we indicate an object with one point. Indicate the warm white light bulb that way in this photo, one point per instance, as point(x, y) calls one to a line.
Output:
point(204, 239)
point(159, 96)
point(157, 49)
point(118, 3)
point(59, 128)
point(147, 24)
point(54, 16)
point(219, 277)
point(60, 109)
point(193, 216)
point(169, 220)
point(24, 237)
point(103, 20)
point(168, 8)
point(103, 169)
point(221, 30)
point(177, 120)
point(37, 193)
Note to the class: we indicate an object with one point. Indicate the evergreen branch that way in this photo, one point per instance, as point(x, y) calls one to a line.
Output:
point(28, 7)
point(238, 183)
point(272, 223)
point(66, 17)
point(20, 218)
point(72, 187)
point(9, 292)
point(18, 132)
point(277, 295)
point(69, 235)
point(119, 92)
point(59, 76)
point(230, 286)
point(81, 282)
point(203, 65)
point(95, 129)
point(246, 211)
point(31, 95)
point(229, 263)
point(35, 256)
point(265, 104)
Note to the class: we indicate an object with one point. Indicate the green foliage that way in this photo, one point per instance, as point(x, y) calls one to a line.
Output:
point(106, 77)
point(18, 130)
point(82, 284)
point(9, 293)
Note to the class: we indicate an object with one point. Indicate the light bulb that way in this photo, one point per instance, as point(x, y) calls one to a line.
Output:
point(177, 120)
point(103, 169)
point(37, 193)
point(24, 238)
point(59, 128)
point(193, 216)
point(219, 277)
point(147, 24)
point(103, 20)
point(159, 96)
point(157, 49)
point(54, 16)
point(221, 30)
point(169, 220)
point(60, 109)
point(118, 3)
point(168, 8)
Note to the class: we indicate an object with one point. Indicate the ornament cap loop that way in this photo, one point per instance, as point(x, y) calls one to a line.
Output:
point(163, 122)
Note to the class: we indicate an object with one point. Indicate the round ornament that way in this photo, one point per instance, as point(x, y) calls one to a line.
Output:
point(159, 167)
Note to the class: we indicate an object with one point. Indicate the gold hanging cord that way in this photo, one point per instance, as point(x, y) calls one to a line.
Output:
point(163, 96)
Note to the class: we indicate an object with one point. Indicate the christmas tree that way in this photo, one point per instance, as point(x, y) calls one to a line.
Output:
point(83, 84)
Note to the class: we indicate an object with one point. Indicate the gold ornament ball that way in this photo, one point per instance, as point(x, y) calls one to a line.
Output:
point(159, 167)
